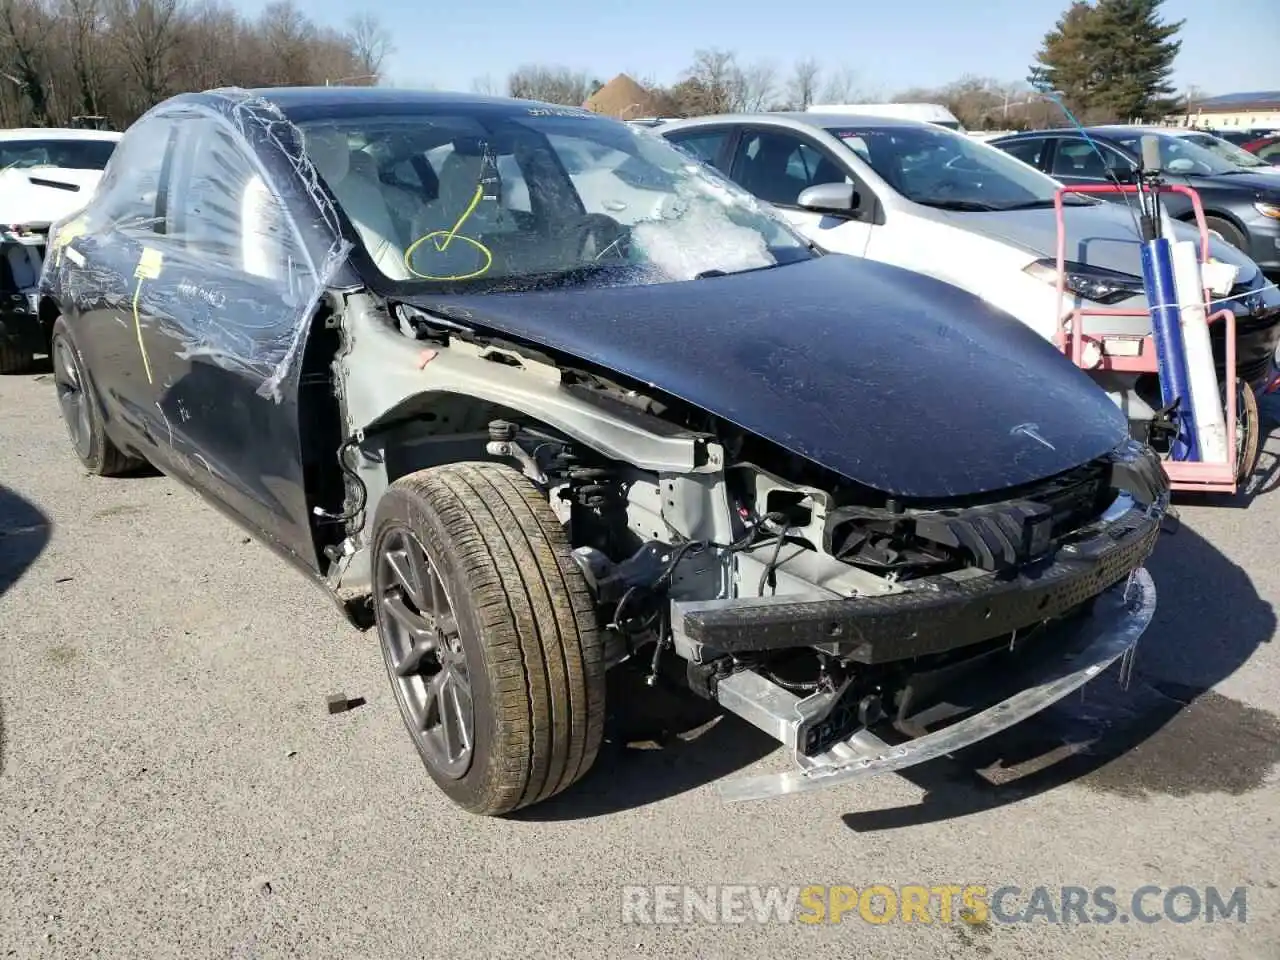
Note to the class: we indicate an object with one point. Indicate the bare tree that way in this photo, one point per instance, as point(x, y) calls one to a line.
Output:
point(484, 85)
point(841, 87)
point(759, 87)
point(22, 32)
point(804, 83)
point(81, 24)
point(370, 43)
point(718, 78)
point(551, 84)
point(145, 32)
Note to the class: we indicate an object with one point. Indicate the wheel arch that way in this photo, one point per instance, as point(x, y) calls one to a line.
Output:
point(1216, 213)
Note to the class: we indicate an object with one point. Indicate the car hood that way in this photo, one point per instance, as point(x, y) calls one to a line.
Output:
point(41, 195)
point(1100, 235)
point(895, 380)
point(1260, 180)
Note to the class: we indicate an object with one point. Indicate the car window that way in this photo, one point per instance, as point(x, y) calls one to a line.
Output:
point(777, 166)
point(1270, 152)
point(70, 153)
point(1088, 160)
point(1179, 155)
point(508, 200)
point(1227, 151)
point(703, 144)
point(223, 214)
point(126, 197)
point(933, 166)
point(1028, 151)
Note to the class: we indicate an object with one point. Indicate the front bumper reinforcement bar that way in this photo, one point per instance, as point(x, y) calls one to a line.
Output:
point(1119, 618)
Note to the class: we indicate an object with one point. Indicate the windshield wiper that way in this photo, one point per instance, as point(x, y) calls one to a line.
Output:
point(717, 272)
point(1068, 201)
point(968, 206)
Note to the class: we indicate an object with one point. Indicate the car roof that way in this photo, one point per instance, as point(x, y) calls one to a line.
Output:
point(57, 133)
point(319, 103)
point(798, 120)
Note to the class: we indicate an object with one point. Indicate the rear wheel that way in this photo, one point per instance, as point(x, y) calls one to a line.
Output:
point(1248, 431)
point(489, 635)
point(15, 359)
point(81, 413)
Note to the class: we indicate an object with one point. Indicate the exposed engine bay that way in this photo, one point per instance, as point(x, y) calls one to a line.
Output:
point(813, 606)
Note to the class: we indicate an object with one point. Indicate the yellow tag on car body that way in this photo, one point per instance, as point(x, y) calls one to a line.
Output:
point(149, 264)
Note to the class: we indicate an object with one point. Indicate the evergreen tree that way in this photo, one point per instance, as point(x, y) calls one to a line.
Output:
point(1136, 61)
point(1111, 60)
point(1065, 63)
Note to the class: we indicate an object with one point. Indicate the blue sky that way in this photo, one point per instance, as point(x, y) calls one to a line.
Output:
point(1227, 46)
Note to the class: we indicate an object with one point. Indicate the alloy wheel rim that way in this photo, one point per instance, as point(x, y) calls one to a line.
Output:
point(424, 649)
point(71, 398)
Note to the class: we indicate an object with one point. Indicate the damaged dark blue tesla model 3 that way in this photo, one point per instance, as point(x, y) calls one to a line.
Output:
point(534, 393)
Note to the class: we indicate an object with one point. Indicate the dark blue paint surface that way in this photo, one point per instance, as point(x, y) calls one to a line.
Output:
point(893, 379)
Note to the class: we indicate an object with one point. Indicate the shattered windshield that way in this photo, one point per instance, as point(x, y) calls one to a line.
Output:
point(938, 168)
point(512, 200)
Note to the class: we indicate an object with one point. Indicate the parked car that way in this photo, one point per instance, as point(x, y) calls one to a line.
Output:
point(45, 175)
point(528, 442)
point(951, 207)
point(1242, 136)
point(1266, 149)
point(1231, 152)
point(1241, 207)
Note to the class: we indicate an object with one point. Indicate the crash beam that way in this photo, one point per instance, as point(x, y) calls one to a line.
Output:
point(1120, 617)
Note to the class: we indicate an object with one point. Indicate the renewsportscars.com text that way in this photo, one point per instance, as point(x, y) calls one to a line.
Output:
point(946, 903)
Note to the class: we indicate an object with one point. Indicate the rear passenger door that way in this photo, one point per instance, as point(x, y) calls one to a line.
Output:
point(1076, 160)
point(100, 261)
point(1035, 151)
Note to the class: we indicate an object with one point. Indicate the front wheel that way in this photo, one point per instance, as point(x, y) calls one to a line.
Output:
point(489, 634)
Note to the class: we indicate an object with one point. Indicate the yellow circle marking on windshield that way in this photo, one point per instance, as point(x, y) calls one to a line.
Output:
point(449, 236)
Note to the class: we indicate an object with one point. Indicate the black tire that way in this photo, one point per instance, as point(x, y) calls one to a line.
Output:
point(81, 412)
point(1229, 232)
point(15, 359)
point(1248, 432)
point(525, 632)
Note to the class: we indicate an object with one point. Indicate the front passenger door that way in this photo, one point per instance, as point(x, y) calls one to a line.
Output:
point(231, 303)
point(778, 165)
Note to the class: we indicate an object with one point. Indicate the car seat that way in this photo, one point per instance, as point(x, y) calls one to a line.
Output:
point(362, 200)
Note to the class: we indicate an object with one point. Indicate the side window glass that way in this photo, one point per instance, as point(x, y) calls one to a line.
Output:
point(776, 167)
point(1080, 159)
point(224, 215)
point(704, 146)
point(1028, 151)
point(126, 195)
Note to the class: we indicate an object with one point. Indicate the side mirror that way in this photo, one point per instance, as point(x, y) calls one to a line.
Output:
point(1125, 174)
point(1180, 165)
point(838, 198)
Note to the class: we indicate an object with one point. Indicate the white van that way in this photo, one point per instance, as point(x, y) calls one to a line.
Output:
point(934, 113)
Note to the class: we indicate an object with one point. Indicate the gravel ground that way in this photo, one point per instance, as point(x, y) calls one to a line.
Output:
point(173, 786)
